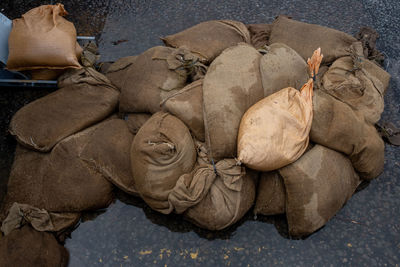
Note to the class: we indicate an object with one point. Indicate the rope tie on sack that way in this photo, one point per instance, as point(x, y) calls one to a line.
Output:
point(214, 167)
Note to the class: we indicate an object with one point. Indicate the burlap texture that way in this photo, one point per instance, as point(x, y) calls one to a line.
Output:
point(259, 34)
point(118, 70)
point(135, 121)
point(271, 194)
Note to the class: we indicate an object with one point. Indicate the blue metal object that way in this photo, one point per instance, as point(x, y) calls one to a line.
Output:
point(5, 29)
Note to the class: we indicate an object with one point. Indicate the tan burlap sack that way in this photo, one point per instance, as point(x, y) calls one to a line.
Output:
point(135, 121)
point(161, 152)
point(27, 247)
point(271, 194)
point(230, 195)
point(40, 219)
point(187, 105)
point(274, 131)
point(282, 67)
point(153, 76)
point(259, 34)
point(108, 152)
point(85, 98)
point(208, 39)
point(358, 82)
point(118, 70)
point(232, 85)
point(337, 126)
point(317, 186)
point(304, 38)
point(42, 38)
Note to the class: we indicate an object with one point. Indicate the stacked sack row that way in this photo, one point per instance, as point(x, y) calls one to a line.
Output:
point(164, 125)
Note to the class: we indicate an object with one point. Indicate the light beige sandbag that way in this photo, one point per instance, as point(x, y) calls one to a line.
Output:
point(135, 121)
point(271, 194)
point(282, 67)
point(304, 38)
point(40, 219)
point(317, 186)
point(231, 85)
point(229, 197)
point(42, 38)
point(358, 82)
point(85, 98)
point(187, 105)
point(208, 39)
point(153, 76)
point(259, 34)
point(161, 152)
point(337, 126)
point(118, 70)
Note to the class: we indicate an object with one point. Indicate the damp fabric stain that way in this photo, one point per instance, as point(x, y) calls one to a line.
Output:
point(365, 232)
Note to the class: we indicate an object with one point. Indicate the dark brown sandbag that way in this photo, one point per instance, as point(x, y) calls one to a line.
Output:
point(153, 76)
point(304, 38)
point(229, 197)
point(317, 186)
point(187, 105)
point(271, 194)
point(40, 219)
point(282, 67)
point(368, 36)
point(358, 82)
point(336, 126)
point(231, 85)
point(85, 98)
point(108, 152)
point(259, 34)
point(161, 152)
point(27, 247)
point(58, 181)
point(208, 39)
point(117, 71)
point(135, 121)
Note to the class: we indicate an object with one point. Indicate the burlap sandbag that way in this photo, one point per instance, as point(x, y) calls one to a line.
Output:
point(208, 39)
point(153, 76)
point(259, 34)
point(317, 186)
point(229, 197)
point(42, 38)
point(187, 105)
point(40, 219)
point(118, 70)
point(231, 85)
point(304, 38)
point(282, 67)
point(58, 181)
point(271, 194)
point(358, 82)
point(135, 121)
point(161, 152)
point(337, 126)
point(108, 152)
point(27, 247)
point(85, 98)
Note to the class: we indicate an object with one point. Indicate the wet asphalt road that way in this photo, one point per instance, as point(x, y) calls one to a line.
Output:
point(366, 232)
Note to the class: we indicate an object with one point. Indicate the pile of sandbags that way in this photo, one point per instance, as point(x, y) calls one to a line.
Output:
point(206, 127)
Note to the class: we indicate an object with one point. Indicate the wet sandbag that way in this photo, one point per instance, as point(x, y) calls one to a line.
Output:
point(229, 197)
point(40, 219)
point(317, 186)
point(271, 194)
point(135, 121)
point(117, 71)
point(85, 98)
point(27, 247)
point(187, 105)
point(153, 76)
point(208, 39)
point(108, 152)
point(161, 152)
point(231, 85)
point(336, 126)
point(259, 34)
point(304, 38)
point(282, 67)
point(358, 82)
point(42, 38)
